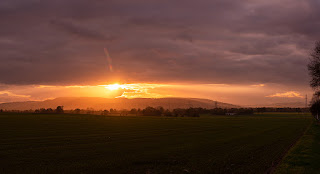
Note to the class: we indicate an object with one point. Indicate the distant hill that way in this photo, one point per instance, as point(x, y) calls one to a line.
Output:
point(282, 105)
point(97, 103)
point(288, 104)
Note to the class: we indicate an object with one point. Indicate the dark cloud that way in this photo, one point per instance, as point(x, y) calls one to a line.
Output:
point(72, 29)
point(206, 41)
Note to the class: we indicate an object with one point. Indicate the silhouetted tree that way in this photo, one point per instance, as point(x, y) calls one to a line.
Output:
point(49, 110)
point(167, 113)
point(105, 112)
point(314, 72)
point(133, 111)
point(112, 111)
point(315, 109)
point(139, 112)
point(160, 109)
point(43, 110)
point(77, 111)
point(314, 66)
point(261, 110)
point(59, 110)
point(150, 111)
point(90, 111)
point(178, 112)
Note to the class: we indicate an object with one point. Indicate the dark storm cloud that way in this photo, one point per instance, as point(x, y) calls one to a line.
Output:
point(206, 41)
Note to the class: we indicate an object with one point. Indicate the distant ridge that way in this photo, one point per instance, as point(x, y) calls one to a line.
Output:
point(281, 105)
point(98, 103)
point(287, 104)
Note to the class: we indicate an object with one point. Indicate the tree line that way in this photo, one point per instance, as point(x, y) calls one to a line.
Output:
point(160, 111)
point(148, 111)
point(58, 110)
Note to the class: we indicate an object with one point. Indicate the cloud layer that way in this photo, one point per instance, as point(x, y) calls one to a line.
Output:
point(206, 41)
point(239, 43)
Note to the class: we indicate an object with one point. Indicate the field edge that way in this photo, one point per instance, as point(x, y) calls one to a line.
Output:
point(302, 156)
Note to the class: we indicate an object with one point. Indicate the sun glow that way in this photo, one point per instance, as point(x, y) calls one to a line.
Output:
point(138, 90)
point(114, 87)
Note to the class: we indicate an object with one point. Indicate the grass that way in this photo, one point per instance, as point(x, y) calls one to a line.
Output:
point(304, 157)
point(38, 143)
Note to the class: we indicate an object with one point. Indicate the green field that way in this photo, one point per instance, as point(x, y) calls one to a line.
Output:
point(304, 157)
point(37, 143)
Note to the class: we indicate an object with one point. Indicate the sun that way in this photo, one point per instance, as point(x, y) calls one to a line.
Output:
point(114, 87)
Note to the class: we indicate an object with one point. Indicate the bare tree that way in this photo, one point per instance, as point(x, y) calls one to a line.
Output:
point(314, 72)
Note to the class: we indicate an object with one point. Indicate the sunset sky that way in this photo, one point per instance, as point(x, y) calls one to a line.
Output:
point(243, 52)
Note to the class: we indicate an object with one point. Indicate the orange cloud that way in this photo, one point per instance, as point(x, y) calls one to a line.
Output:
point(258, 85)
point(10, 94)
point(289, 94)
point(139, 90)
point(7, 96)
